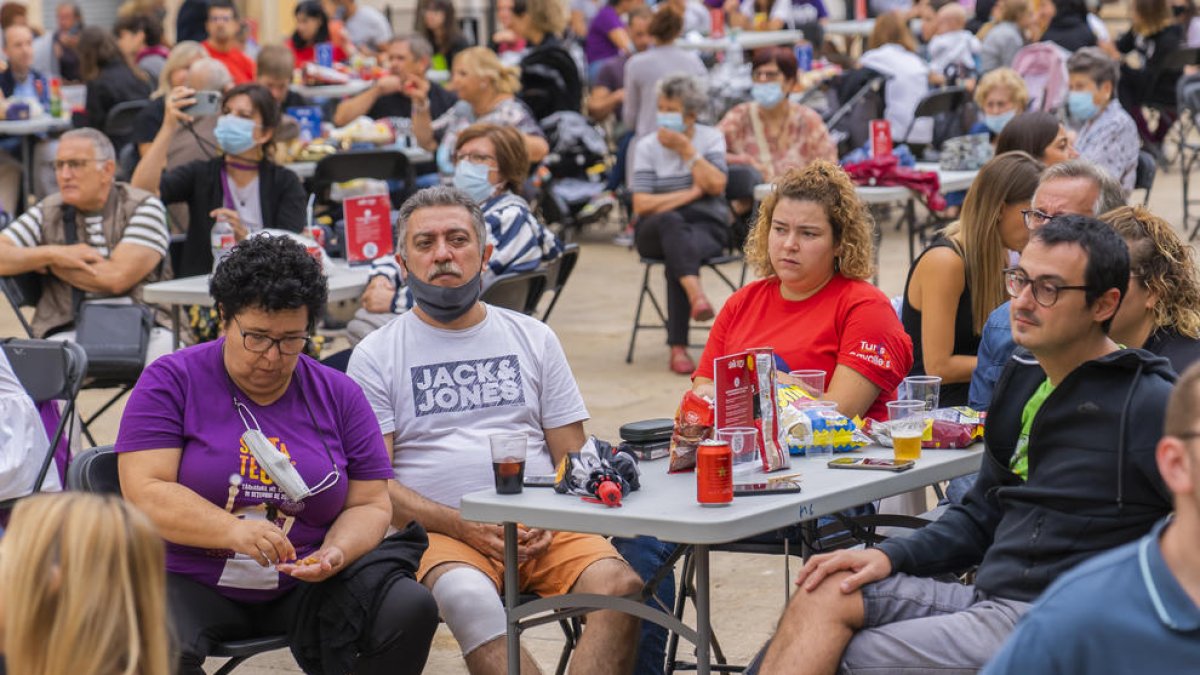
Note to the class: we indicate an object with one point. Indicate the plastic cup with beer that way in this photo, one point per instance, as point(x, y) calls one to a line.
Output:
point(508, 461)
point(743, 441)
point(811, 381)
point(925, 388)
point(907, 424)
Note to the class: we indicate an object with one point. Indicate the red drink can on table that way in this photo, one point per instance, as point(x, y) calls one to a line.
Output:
point(714, 473)
point(717, 19)
point(881, 138)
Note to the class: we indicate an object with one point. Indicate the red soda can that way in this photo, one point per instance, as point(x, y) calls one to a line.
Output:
point(881, 138)
point(714, 473)
point(717, 19)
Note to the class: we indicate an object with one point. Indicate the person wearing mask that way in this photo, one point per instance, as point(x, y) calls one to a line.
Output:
point(1155, 36)
point(491, 166)
point(250, 553)
point(1161, 309)
point(607, 36)
point(957, 281)
point(551, 78)
point(1105, 134)
point(241, 186)
point(1075, 187)
point(1006, 36)
point(408, 59)
point(1001, 96)
point(1066, 24)
point(54, 52)
point(643, 71)
point(366, 26)
point(679, 180)
point(485, 88)
point(505, 39)
point(1039, 134)
point(772, 133)
point(222, 44)
point(312, 29)
point(437, 22)
point(110, 76)
point(85, 571)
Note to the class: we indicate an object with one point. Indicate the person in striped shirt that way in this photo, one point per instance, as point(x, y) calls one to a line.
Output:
point(119, 243)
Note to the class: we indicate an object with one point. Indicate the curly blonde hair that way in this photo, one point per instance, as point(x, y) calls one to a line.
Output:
point(1006, 78)
point(1164, 264)
point(483, 62)
point(824, 183)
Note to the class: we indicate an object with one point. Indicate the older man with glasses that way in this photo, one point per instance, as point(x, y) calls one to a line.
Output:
point(1069, 473)
point(96, 239)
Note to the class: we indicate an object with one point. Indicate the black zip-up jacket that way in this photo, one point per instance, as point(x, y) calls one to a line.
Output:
point(1093, 481)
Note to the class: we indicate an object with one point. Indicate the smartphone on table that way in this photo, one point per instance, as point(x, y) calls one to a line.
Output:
point(871, 463)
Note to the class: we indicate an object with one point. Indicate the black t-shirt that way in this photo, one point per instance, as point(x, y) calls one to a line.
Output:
point(399, 105)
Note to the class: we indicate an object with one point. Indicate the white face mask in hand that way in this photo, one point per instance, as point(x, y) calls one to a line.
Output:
point(278, 465)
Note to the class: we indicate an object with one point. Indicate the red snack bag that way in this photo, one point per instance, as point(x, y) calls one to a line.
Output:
point(693, 424)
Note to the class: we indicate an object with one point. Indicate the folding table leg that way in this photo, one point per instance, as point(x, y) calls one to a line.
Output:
point(703, 618)
point(511, 588)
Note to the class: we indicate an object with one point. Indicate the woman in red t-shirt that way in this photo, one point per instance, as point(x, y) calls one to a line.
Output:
point(312, 28)
point(813, 242)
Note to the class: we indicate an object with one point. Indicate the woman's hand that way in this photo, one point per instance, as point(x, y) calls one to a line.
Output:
point(262, 540)
point(235, 221)
point(674, 141)
point(174, 104)
point(317, 567)
point(378, 296)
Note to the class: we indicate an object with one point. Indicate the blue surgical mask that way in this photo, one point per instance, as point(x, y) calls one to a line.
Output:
point(1081, 106)
point(767, 94)
point(234, 134)
point(671, 120)
point(472, 179)
point(996, 123)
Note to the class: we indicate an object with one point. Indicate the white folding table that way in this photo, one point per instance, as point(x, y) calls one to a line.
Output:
point(665, 507)
point(27, 129)
point(345, 283)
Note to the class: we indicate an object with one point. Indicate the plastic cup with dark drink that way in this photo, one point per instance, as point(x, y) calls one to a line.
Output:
point(508, 462)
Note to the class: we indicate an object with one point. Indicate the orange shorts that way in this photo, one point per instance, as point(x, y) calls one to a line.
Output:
point(552, 573)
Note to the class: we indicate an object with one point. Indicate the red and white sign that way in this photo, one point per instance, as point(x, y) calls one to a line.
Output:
point(368, 228)
point(881, 138)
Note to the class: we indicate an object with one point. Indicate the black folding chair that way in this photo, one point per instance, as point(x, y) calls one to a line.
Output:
point(938, 102)
point(346, 166)
point(647, 292)
point(1147, 169)
point(519, 291)
point(95, 470)
point(562, 271)
point(48, 370)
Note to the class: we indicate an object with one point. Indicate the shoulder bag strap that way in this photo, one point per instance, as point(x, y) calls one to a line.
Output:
point(70, 238)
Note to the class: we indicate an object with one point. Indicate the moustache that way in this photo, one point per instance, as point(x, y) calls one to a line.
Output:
point(1027, 317)
point(444, 268)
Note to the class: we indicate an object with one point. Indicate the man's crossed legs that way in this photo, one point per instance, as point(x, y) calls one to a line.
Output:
point(466, 585)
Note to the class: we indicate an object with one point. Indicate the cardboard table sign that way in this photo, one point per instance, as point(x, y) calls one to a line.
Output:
point(744, 385)
point(309, 118)
point(368, 228)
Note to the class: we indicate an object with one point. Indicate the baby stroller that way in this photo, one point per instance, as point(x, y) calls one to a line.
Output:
point(569, 184)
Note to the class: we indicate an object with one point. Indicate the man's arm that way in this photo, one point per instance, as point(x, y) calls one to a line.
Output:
point(357, 106)
point(561, 440)
point(603, 101)
point(124, 269)
point(647, 204)
point(21, 259)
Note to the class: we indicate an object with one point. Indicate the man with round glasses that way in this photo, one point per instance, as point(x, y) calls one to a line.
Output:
point(1069, 473)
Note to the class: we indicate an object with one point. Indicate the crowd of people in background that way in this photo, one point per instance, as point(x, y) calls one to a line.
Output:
point(1045, 295)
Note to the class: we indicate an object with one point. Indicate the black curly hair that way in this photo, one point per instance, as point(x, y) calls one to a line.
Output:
point(272, 274)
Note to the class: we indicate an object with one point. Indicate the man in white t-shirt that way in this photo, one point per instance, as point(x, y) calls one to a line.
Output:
point(441, 379)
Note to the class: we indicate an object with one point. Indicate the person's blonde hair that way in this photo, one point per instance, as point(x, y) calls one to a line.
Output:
point(890, 28)
point(484, 63)
point(1008, 79)
point(824, 183)
point(180, 57)
point(1010, 178)
point(1164, 264)
point(547, 16)
point(83, 582)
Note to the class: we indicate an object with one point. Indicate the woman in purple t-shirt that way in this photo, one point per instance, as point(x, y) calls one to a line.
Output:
point(607, 36)
point(197, 431)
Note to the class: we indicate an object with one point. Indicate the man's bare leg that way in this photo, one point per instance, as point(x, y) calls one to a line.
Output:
point(609, 642)
point(490, 658)
point(815, 629)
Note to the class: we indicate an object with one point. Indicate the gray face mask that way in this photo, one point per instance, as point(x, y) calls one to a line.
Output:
point(445, 304)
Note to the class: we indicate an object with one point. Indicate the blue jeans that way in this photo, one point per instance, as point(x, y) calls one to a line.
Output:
point(646, 555)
